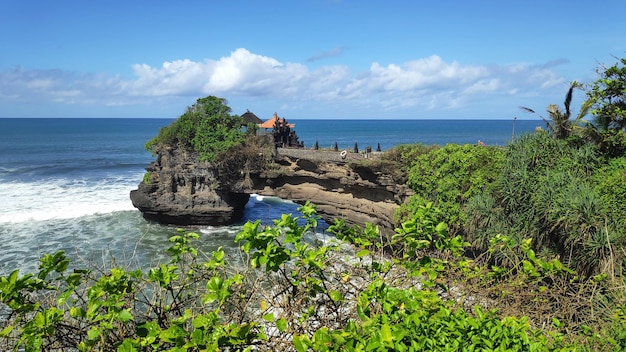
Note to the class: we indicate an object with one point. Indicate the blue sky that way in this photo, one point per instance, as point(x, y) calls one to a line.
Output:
point(303, 59)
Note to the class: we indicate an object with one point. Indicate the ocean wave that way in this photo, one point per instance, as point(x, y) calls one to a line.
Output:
point(65, 198)
point(40, 171)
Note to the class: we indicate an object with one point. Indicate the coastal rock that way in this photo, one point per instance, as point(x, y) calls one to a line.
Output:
point(181, 190)
point(355, 192)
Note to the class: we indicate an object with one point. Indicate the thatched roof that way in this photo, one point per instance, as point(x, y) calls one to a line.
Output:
point(249, 117)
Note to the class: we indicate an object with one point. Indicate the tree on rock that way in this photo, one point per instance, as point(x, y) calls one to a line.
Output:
point(207, 127)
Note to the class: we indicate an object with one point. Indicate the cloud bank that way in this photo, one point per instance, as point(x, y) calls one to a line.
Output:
point(422, 84)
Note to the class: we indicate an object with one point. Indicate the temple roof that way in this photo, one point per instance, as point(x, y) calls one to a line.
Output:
point(249, 117)
point(272, 121)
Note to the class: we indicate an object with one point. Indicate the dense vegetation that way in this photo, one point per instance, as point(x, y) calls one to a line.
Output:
point(516, 248)
point(292, 289)
point(563, 187)
point(207, 128)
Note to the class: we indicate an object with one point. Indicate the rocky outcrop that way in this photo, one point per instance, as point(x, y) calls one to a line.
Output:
point(355, 192)
point(183, 191)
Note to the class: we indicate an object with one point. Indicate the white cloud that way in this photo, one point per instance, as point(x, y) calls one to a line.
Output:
point(424, 83)
point(483, 86)
point(180, 77)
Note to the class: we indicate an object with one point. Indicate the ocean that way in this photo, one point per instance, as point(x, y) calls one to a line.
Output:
point(65, 183)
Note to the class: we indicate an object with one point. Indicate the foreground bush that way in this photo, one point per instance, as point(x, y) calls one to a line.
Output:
point(293, 289)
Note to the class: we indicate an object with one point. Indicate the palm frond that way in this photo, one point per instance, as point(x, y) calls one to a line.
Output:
point(584, 109)
point(568, 100)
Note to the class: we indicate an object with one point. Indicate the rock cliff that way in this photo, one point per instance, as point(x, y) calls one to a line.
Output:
point(181, 190)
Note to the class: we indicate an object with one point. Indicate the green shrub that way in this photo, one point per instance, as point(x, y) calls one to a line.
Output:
point(206, 128)
point(406, 154)
point(560, 195)
point(610, 181)
point(450, 176)
point(147, 178)
point(290, 289)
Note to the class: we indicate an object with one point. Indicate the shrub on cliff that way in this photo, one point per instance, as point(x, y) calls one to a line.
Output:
point(449, 176)
point(207, 127)
point(567, 198)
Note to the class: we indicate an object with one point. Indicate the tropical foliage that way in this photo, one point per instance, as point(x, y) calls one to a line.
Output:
point(560, 123)
point(563, 188)
point(549, 190)
point(608, 95)
point(449, 176)
point(207, 128)
point(291, 288)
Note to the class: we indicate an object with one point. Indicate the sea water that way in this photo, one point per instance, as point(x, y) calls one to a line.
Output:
point(65, 183)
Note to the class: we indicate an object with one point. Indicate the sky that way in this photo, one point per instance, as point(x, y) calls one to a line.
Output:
point(304, 59)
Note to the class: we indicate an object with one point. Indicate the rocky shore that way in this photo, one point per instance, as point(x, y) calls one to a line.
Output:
point(181, 190)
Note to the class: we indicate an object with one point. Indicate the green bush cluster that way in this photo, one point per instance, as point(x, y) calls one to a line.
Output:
point(147, 178)
point(449, 176)
point(290, 289)
point(207, 127)
point(566, 196)
point(563, 196)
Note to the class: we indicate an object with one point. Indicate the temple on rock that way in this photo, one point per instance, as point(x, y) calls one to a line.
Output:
point(284, 134)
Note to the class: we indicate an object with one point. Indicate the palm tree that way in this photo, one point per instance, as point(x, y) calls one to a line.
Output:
point(560, 125)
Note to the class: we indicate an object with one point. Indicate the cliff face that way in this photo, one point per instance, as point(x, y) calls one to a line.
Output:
point(184, 191)
point(356, 193)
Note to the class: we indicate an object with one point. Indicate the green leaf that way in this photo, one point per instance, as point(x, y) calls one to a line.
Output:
point(125, 316)
point(93, 333)
point(336, 296)
point(39, 320)
point(281, 324)
point(210, 297)
point(529, 268)
point(298, 343)
point(362, 253)
point(385, 333)
point(127, 346)
point(63, 297)
point(77, 312)
point(6, 331)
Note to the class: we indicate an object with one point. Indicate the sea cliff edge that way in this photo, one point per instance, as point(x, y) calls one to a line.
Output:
point(181, 190)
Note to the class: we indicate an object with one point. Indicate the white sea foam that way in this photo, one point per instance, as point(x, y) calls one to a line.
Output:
point(222, 230)
point(64, 199)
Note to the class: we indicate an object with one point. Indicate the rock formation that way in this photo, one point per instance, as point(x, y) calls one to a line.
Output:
point(352, 191)
point(181, 190)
